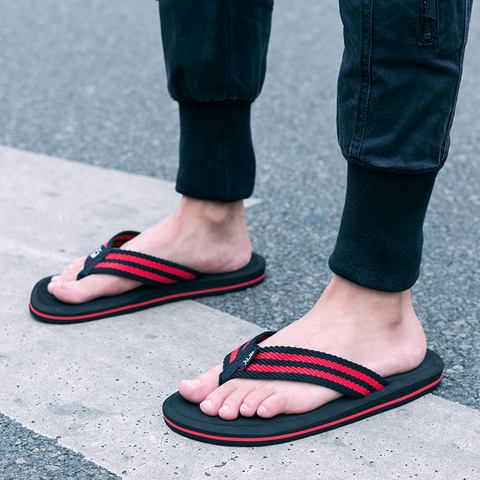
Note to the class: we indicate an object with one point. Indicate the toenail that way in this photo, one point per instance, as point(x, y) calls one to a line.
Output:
point(206, 404)
point(191, 383)
point(262, 410)
point(224, 409)
point(64, 286)
point(244, 407)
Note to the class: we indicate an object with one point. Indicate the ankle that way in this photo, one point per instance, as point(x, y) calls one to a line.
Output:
point(362, 305)
point(213, 233)
point(214, 214)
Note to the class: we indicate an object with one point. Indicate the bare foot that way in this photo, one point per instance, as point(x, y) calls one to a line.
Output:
point(210, 237)
point(375, 329)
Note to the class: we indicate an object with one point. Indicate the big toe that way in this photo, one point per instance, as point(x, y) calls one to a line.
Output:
point(99, 285)
point(68, 291)
point(197, 389)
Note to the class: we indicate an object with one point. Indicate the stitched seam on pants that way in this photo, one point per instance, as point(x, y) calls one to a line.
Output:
point(366, 76)
point(227, 82)
point(227, 60)
point(460, 66)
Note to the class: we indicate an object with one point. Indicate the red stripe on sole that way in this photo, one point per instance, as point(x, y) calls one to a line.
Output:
point(309, 430)
point(149, 302)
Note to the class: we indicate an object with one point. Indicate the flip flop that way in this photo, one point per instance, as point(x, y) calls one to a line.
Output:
point(164, 282)
point(365, 394)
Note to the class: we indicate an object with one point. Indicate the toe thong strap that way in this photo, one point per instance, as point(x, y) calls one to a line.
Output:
point(302, 365)
point(109, 258)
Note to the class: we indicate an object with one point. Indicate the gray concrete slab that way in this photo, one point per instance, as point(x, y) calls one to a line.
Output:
point(100, 385)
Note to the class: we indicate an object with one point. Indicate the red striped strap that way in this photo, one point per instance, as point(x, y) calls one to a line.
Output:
point(302, 365)
point(110, 259)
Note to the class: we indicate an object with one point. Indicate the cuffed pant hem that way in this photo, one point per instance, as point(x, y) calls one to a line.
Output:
point(379, 245)
point(217, 161)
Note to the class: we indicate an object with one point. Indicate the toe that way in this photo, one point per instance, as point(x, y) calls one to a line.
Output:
point(69, 276)
point(232, 405)
point(57, 287)
point(273, 405)
point(66, 291)
point(214, 402)
point(224, 401)
point(199, 388)
point(295, 397)
point(255, 398)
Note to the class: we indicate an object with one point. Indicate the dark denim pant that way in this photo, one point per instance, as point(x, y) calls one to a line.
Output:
point(397, 90)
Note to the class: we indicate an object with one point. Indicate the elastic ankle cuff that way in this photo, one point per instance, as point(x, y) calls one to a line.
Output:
point(217, 161)
point(379, 245)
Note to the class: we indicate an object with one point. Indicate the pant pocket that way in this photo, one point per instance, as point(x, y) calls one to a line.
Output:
point(399, 81)
point(427, 21)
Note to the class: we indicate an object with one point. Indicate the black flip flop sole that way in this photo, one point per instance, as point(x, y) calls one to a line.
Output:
point(188, 420)
point(47, 308)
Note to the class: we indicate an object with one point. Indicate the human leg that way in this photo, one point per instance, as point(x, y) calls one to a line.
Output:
point(393, 130)
point(215, 78)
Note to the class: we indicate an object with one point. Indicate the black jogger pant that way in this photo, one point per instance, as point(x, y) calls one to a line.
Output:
point(397, 90)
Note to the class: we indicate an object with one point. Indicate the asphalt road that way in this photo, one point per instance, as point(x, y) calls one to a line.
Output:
point(84, 80)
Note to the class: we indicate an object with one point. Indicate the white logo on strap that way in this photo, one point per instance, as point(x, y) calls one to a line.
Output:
point(96, 253)
point(247, 360)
